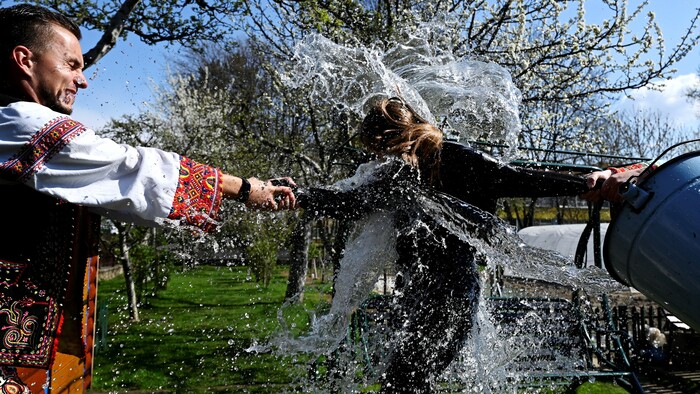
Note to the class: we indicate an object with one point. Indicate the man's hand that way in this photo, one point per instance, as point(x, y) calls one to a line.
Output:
point(274, 194)
point(610, 188)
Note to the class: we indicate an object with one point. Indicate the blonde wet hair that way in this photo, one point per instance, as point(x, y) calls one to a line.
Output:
point(392, 127)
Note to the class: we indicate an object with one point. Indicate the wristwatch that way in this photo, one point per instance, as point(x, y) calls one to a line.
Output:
point(244, 191)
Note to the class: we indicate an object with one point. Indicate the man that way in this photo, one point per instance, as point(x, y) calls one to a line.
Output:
point(53, 168)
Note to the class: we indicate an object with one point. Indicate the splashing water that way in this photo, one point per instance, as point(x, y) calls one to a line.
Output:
point(485, 362)
point(373, 250)
point(470, 99)
point(473, 100)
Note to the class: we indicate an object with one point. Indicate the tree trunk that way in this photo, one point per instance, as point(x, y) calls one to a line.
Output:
point(314, 270)
point(298, 259)
point(341, 239)
point(128, 277)
point(513, 213)
point(529, 213)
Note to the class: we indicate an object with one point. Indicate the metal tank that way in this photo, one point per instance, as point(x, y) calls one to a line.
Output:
point(653, 244)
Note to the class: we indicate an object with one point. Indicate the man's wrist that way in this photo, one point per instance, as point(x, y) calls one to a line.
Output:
point(244, 191)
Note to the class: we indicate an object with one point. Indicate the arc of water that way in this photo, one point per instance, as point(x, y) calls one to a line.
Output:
point(475, 99)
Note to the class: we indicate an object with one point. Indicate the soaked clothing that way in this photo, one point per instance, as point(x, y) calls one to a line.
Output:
point(437, 239)
point(436, 234)
point(480, 179)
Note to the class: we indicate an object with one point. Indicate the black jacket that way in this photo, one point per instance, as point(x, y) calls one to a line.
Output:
point(436, 238)
point(480, 180)
point(441, 235)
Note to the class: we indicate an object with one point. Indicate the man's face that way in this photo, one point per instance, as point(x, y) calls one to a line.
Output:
point(58, 72)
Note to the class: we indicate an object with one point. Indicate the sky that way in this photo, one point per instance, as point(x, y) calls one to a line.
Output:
point(673, 17)
point(123, 80)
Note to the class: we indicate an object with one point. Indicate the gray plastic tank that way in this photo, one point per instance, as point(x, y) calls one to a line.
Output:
point(653, 244)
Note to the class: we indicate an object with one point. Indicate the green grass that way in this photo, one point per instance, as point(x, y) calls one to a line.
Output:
point(194, 335)
point(600, 388)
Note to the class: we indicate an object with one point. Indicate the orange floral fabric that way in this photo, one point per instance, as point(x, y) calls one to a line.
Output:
point(635, 166)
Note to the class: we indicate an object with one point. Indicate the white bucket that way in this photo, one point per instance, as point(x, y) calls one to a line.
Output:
point(653, 244)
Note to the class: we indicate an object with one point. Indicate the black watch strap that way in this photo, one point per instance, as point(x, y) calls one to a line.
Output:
point(244, 191)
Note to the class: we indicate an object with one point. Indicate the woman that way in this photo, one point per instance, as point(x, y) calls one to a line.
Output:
point(424, 183)
point(392, 127)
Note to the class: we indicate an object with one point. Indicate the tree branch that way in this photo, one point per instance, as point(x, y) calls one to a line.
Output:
point(111, 33)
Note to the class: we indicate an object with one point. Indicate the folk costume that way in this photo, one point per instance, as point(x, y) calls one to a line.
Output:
point(56, 177)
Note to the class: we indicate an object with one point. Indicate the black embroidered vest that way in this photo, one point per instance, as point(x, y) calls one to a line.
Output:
point(45, 245)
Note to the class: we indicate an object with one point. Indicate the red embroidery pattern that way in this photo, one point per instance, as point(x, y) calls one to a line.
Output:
point(636, 166)
point(198, 195)
point(11, 273)
point(10, 381)
point(40, 148)
point(40, 271)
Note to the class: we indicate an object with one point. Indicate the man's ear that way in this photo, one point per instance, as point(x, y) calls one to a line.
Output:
point(21, 58)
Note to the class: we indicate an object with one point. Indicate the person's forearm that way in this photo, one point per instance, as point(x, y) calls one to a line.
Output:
point(606, 184)
point(259, 194)
point(525, 182)
point(384, 188)
point(320, 201)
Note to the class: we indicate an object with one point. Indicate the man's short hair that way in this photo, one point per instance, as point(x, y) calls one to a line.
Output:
point(30, 26)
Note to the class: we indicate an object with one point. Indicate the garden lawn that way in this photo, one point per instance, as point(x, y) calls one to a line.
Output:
point(194, 335)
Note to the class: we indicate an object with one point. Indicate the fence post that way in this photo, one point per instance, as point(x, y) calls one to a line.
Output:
point(637, 324)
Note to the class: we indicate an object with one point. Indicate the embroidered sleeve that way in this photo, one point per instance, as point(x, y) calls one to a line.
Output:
point(198, 195)
point(48, 141)
point(631, 167)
